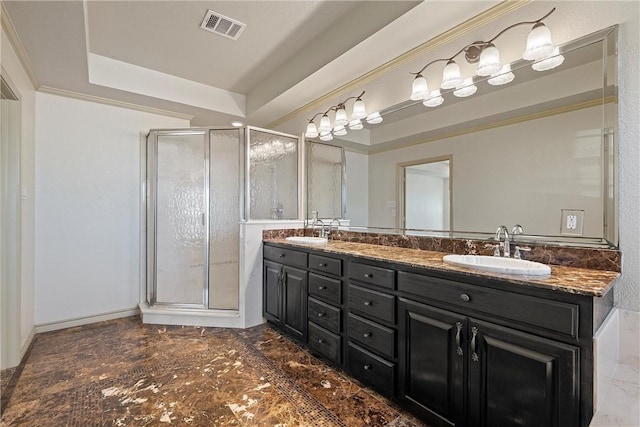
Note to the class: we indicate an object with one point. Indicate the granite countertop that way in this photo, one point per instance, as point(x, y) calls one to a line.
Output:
point(572, 280)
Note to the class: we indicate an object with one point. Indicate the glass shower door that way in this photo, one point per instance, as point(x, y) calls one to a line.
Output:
point(180, 219)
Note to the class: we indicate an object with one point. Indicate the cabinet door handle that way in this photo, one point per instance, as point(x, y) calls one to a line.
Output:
point(367, 303)
point(284, 277)
point(322, 288)
point(465, 298)
point(366, 334)
point(368, 275)
point(458, 338)
point(321, 314)
point(366, 367)
point(474, 334)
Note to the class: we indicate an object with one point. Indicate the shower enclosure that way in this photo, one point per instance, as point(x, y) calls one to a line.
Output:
point(202, 186)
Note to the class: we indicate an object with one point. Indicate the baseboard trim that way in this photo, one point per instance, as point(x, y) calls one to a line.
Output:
point(27, 343)
point(79, 321)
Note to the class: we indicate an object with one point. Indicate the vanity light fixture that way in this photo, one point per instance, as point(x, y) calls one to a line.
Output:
point(539, 48)
point(341, 122)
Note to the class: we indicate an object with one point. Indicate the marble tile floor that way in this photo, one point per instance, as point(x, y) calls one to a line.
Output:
point(621, 403)
point(124, 373)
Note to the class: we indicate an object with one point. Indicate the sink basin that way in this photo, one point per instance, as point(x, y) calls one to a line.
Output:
point(307, 240)
point(499, 264)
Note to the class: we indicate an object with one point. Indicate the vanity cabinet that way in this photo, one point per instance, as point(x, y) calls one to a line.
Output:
point(285, 291)
point(455, 349)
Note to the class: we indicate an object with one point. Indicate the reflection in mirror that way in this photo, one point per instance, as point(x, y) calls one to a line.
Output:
point(426, 195)
point(325, 180)
point(523, 152)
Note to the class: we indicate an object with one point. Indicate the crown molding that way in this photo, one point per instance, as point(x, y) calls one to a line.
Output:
point(448, 36)
point(113, 103)
point(18, 47)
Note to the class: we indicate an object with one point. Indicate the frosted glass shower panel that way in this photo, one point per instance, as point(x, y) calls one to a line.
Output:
point(180, 221)
point(325, 165)
point(273, 176)
point(224, 214)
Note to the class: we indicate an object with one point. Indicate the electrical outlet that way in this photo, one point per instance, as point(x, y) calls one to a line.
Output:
point(572, 222)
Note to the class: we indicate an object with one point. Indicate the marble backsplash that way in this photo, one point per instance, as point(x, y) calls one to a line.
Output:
point(591, 258)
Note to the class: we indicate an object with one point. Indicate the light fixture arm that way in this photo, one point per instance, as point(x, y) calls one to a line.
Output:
point(518, 24)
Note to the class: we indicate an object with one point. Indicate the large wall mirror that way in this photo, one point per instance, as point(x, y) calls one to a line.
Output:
point(539, 151)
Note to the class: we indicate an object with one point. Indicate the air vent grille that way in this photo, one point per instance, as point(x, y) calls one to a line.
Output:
point(222, 25)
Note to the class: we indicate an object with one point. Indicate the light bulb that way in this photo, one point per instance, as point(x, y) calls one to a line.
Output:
point(312, 131)
point(359, 110)
point(339, 131)
point(341, 117)
point(325, 124)
point(419, 88)
point(467, 88)
point(434, 99)
point(374, 118)
point(554, 60)
point(502, 77)
point(355, 124)
point(489, 61)
point(539, 44)
point(451, 76)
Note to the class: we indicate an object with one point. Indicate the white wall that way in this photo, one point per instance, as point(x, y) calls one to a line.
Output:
point(87, 211)
point(12, 68)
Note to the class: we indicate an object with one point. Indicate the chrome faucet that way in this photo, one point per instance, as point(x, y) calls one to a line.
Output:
point(506, 247)
point(324, 230)
point(517, 229)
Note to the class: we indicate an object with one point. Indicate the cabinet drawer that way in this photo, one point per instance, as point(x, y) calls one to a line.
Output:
point(372, 335)
point(325, 288)
point(369, 274)
point(324, 342)
point(372, 303)
point(371, 369)
point(286, 256)
point(549, 315)
point(324, 315)
point(325, 264)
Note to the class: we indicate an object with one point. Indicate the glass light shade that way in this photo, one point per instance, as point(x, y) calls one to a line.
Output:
point(326, 136)
point(553, 61)
point(312, 131)
point(359, 110)
point(434, 99)
point(489, 61)
point(539, 44)
point(339, 131)
point(341, 117)
point(355, 124)
point(502, 77)
point(451, 76)
point(419, 88)
point(374, 118)
point(467, 88)
point(325, 124)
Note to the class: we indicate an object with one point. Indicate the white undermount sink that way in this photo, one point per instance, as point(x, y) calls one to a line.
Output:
point(307, 240)
point(499, 264)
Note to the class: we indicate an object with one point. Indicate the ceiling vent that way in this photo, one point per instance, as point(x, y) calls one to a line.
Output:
point(222, 25)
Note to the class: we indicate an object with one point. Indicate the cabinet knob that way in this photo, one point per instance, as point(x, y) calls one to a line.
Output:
point(320, 341)
point(281, 255)
point(322, 264)
point(322, 288)
point(366, 334)
point(368, 275)
point(465, 298)
point(321, 314)
point(366, 367)
point(367, 303)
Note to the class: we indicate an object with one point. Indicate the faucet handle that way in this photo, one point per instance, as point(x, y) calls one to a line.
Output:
point(517, 254)
point(496, 249)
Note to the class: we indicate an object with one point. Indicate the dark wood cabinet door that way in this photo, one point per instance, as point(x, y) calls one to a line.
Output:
point(518, 379)
point(432, 359)
point(272, 292)
point(295, 302)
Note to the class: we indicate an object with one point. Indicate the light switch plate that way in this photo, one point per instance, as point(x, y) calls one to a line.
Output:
point(572, 222)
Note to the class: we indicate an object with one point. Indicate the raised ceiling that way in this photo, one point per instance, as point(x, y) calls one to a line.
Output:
point(154, 53)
